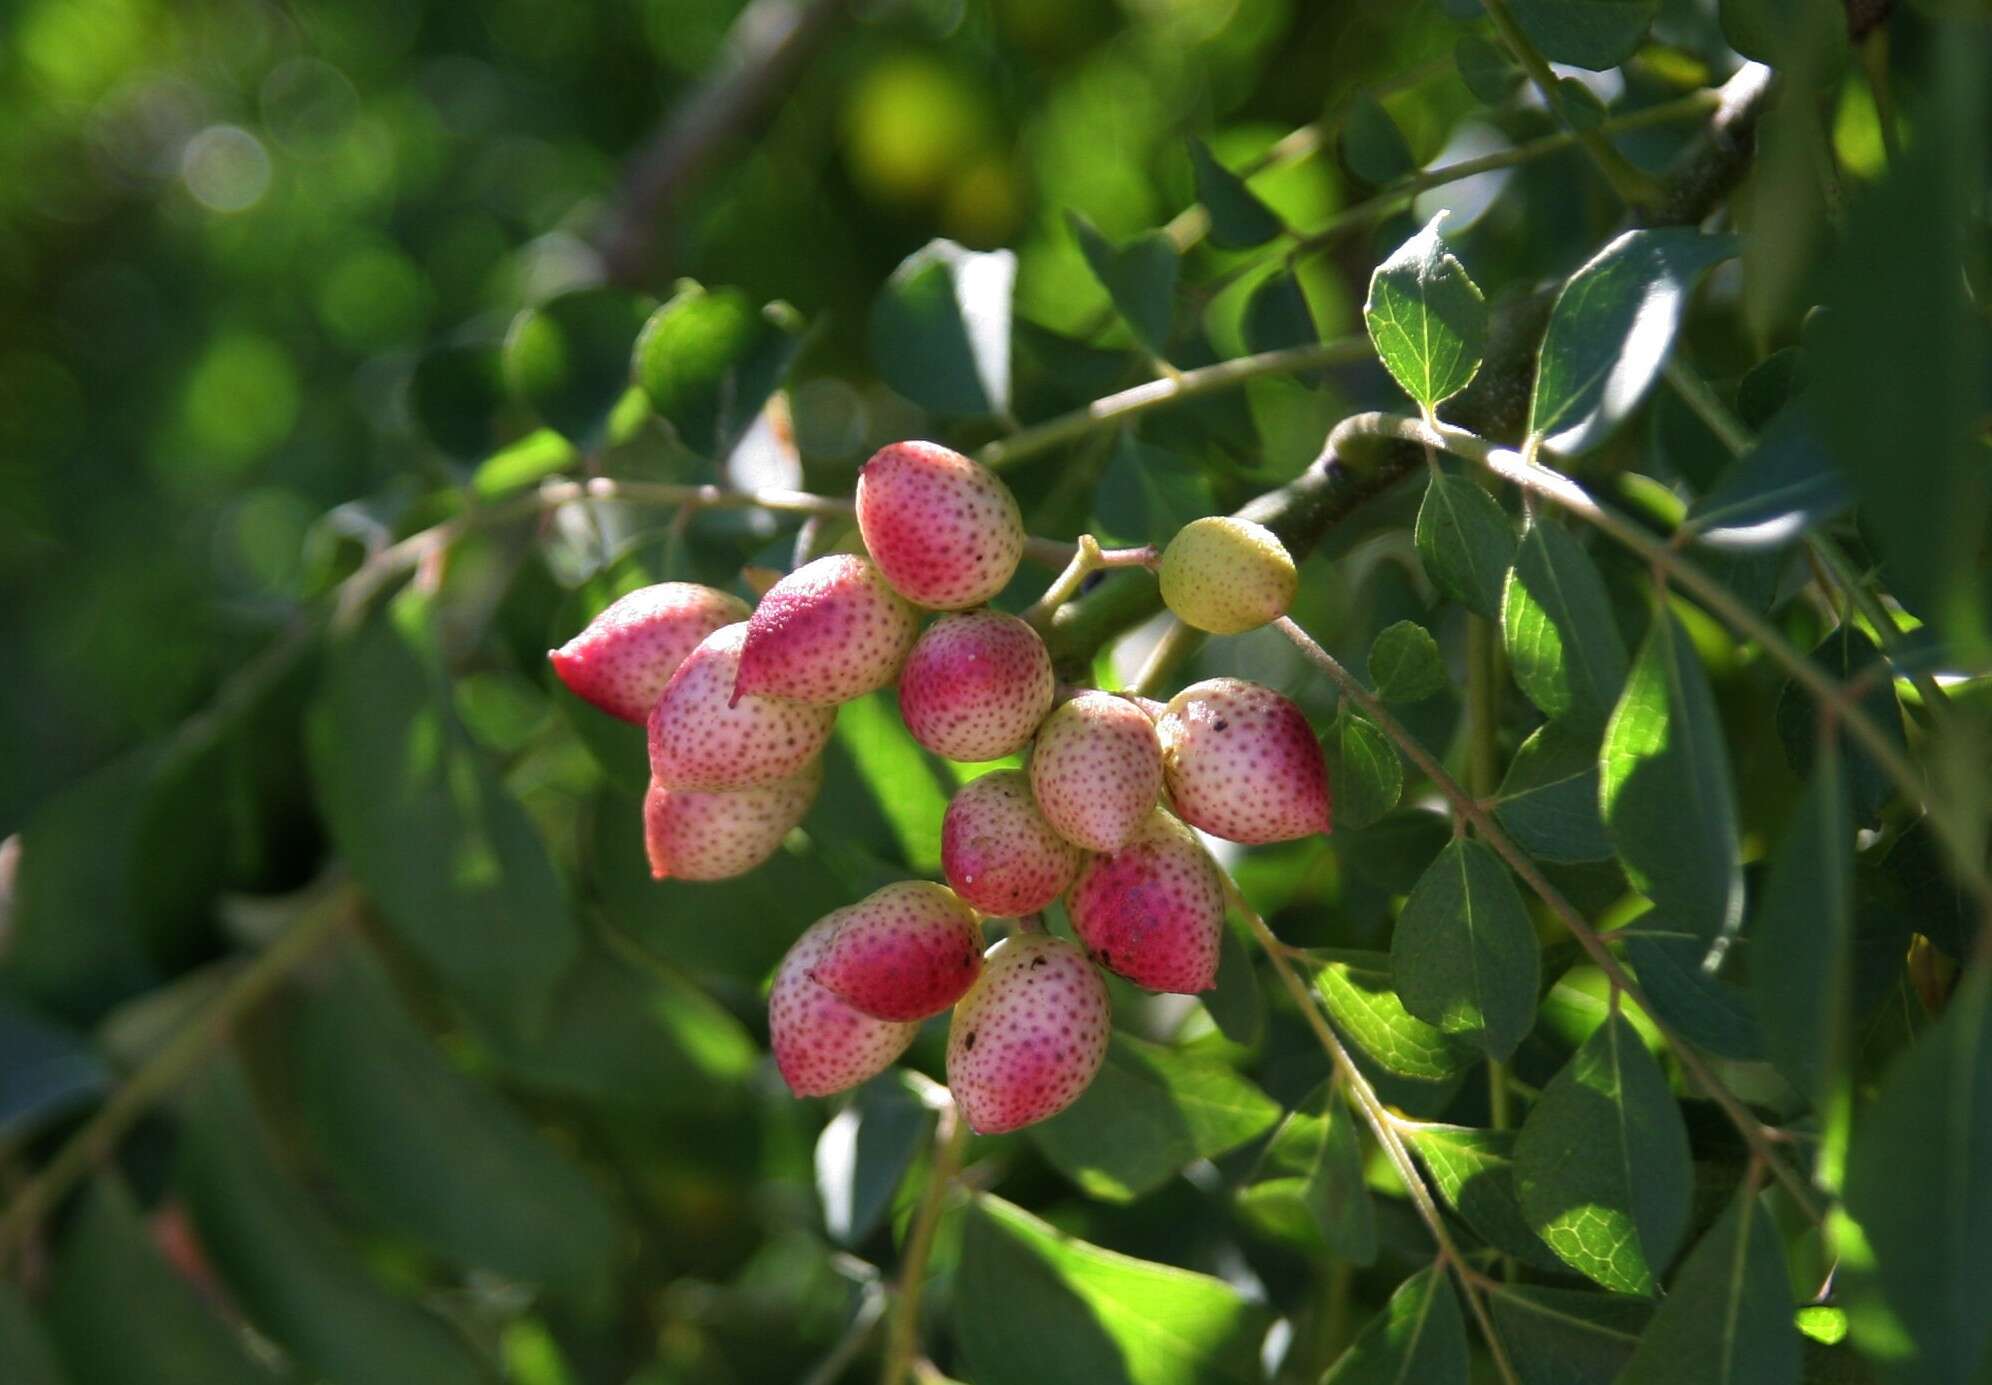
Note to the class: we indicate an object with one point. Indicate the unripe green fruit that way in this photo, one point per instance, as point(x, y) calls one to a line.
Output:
point(1227, 575)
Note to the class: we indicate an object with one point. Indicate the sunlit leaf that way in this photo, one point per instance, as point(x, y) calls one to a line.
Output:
point(1473, 1173)
point(1563, 642)
point(1404, 663)
point(1466, 543)
point(1364, 770)
point(709, 358)
point(1313, 1164)
point(1418, 1336)
point(1464, 954)
point(940, 329)
point(1427, 318)
point(1361, 999)
point(569, 359)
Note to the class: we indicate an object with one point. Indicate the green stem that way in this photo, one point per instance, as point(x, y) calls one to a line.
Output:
point(1753, 1130)
point(902, 1329)
point(1179, 641)
point(1635, 187)
point(181, 1056)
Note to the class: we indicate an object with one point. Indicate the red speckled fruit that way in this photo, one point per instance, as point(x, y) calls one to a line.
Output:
point(976, 686)
point(1242, 763)
point(1097, 770)
point(998, 851)
point(830, 631)
point(1154, 910)
point(713, 834)
point(945, 531)
point(626, 655)
point(1030, 1036)
point(903, 952)
point(700, 738)
point(821, 1044)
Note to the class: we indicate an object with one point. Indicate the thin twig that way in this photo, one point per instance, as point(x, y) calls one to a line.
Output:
point(902, 1329)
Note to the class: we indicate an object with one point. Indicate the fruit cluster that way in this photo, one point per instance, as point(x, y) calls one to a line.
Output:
point(739, 704)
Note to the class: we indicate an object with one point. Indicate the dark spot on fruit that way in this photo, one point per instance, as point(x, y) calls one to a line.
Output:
point(968, 1044)
point(1036, 962)
point(1220, 725)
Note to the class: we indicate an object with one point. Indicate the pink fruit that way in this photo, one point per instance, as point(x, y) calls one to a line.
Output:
point(830, 631)
point(1030, 1036)
point(903, 952)
point(998, 851)
point(821, 1044)
point(1097, 770)
point(701, 738)
point(626, 655)
point(712, 834)
point(945, 531)
point(976, 686)
point(1242, 763)
point(1154, 910)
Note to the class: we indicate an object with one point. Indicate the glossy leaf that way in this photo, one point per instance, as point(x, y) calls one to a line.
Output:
point(569, 359)
point(940, 329)
point(1548, 800)
point(1314, 1163)
point(1404, 663)
point(1664, 749)
point(1372, 145)
point(709, 358)
point(1139, 276)
point(1595, 34)
point(1357, 989)
point(1706, 1010)
point(1364, 770)
point(1613, 322)
point(1783, 487)
point(286, 1264)
point(1426, 318)
point(1465, 955)
point(1419, 1336)
point(1238, 219)
point(1601, 1163)
point(1095, 1317)
point(1466, 542)
point(1563, 642)
point(1473, 1171)
point(1567, 1336)
point(1728, 1318)
point(864, 1153)
point(1151, 1110)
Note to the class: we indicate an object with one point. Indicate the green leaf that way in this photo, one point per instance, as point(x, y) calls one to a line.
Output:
point(1783, 487)
point(46, 1073)
point(429, 1153)
point(1151, 1110)
point(1613, 323)
point(1848, 655)
point(1563, 643)
point(907, 784)
point(1364, 769)
point(286, 1264)
point(864, 1153)
point(117, 1314)
point(708, 360)
point(1474, 1172)
point(1140, 278)
point(1314, 1163)
point(1418, 1337)
point(1357, 990)
point(940, 329)
point(1567, 1336)
point(1094, 1317)
point(1237, 1004)
point(25, 1357)
point(457, 395)
point(1916, 1184)
point(1464, 954)
point(1466, 542)
point(1548, 800)
point(1704, 1009)
point(1787, 33)
point(1277, 315)
point(1372, 145)
point(1147, 490)
point(1404, 663)
point(1581, 106)
point(1663, 750)
point(1426, 318)
point(1489, 73)
point(1595, 34)
point(451, 860)
point(569, 359)
point(1728, 1318)
point(1801, 949)
point(1238, 219)
point(1601, 1164)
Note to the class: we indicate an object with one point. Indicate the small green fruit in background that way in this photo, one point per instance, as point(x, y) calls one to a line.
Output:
point(1227, 575)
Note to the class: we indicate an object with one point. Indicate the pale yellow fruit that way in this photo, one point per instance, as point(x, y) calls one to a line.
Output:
point(1227, 575)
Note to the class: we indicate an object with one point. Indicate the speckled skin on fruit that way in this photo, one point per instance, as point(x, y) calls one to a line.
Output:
point(1097, 770)
point(714, 834)
point(998, 851)
point(1030, 1036)
point(821, 1044)
point(1154, 910)
point(903, 952)
point(944, 530)
point(701, 739)
point(626, 655)
point(1242, 763)
point(976, 686)
point(830, 631)
point(1227, 575)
